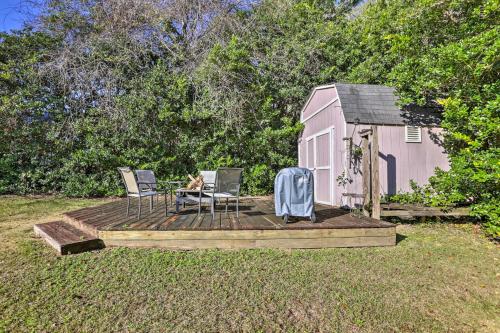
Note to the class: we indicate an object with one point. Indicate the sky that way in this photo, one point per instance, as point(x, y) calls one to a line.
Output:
point(14, 12)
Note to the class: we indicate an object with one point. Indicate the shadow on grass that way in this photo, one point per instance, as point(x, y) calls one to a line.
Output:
point(433, 220)
point(400, 238)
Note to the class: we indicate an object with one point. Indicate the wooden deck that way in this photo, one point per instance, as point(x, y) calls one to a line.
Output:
point(257, 227)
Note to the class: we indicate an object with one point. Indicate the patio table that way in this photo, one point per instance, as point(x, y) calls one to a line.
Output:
point(170, 186)
point(164, 186)
point(184, 195)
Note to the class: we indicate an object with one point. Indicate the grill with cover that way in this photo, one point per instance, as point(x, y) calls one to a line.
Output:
point(294, 193)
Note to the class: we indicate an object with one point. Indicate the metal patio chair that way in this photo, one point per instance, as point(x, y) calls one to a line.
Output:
point(148, 182)
point(184, 196)
point(208, 179)
point(226, 186)
point(134, 190)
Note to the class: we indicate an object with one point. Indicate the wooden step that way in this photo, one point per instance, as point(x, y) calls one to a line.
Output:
point(76, 222)
point(67, 239)
point(426, 211)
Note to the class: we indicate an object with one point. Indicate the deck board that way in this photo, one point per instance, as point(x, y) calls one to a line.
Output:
point(256, 227)
point(165, 225)
point(254, 215)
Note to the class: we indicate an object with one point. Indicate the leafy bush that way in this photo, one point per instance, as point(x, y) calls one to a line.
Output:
point(90, 89)
point(259, 177)
point(418, 195)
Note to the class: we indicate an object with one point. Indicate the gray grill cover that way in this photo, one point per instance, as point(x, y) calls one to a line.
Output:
point(294, 192)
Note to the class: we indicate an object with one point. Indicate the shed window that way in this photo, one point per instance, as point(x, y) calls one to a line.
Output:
point(413, 134)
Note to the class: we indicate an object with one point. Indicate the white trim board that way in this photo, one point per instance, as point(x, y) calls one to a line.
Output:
point(313, 91)
point(311, 95)
point(318, 110)
point(323, 131)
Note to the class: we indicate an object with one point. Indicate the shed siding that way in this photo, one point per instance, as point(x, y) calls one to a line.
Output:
point(399, 161)
point(319, 99)
point(302, 153)
point(310, 153)
point(339, 151)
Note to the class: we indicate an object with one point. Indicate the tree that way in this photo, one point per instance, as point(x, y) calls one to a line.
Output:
point(182, 85)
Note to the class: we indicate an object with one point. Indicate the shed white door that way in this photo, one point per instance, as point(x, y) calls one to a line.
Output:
point(319, 160)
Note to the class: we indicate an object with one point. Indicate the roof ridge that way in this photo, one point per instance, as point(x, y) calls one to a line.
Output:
point(362, 84)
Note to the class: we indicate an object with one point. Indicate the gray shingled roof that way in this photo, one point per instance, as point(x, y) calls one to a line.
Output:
point(376, 105)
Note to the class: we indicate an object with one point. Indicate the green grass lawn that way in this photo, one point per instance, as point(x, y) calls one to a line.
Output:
point(438, 278)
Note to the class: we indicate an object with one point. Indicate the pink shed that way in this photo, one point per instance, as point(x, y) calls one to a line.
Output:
point(409, 140)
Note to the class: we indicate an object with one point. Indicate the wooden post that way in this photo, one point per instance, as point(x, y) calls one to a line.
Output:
point(366, 173)
point(375, 175)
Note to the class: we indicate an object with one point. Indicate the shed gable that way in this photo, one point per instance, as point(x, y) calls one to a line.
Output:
point(318, 100)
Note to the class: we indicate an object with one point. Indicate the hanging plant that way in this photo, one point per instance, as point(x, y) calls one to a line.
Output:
point(357, 152)
point(355, 158)
point(343, 179)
